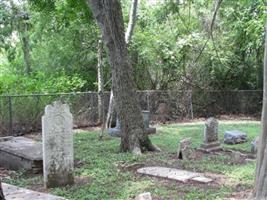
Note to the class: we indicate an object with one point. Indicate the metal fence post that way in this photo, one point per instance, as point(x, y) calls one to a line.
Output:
point(10, 115)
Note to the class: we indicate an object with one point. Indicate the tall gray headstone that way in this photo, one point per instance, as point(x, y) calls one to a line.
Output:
point(211, 139)
point(57, 133)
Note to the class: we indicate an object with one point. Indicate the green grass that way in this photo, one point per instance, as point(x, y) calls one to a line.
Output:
point(105, 180)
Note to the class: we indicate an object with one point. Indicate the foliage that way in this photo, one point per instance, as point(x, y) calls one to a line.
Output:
point(172, 45)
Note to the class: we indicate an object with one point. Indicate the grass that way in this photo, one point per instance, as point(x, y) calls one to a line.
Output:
point(105, 179)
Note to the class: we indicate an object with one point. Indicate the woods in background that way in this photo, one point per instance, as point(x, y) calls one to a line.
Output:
point(52, 46)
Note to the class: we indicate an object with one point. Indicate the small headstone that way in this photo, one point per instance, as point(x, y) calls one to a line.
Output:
point(211, 139)
point(185, 150)
point(57, 132)
point(144, 196)
point(234, 137)
point(254, 145)
point(238, 157)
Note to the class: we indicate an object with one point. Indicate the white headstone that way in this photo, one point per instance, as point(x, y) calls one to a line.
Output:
point(57, 133)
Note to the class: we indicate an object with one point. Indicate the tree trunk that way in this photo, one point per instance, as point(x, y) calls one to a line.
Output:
point(2, 197)
point(26, 46)
point(108, 14)
point(100, 81)
point(111, 116)
point(132, 20)
point(261, 169)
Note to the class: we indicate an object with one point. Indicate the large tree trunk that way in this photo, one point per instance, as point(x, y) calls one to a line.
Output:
point(108, 14)
point(111, 116)
point(261, 169)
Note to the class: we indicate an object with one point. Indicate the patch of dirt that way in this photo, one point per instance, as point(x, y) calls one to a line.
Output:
point(4, 173)
point(242, 195)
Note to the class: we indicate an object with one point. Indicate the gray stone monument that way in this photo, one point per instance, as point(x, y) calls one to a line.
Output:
point(211, 139)
point(57, 132)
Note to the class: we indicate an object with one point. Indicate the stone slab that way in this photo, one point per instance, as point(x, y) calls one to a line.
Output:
point(171, 173)
point(16, 193)
point(202, 179)
point(21, 153)
point(23, 147)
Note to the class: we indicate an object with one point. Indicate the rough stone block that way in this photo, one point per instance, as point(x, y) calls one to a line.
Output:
point(234, 137)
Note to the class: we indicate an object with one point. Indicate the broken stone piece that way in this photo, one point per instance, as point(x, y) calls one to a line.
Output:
point(144, 196)
point(234, 137)
point(170, 173)
point(185, 150)
point(238, 157)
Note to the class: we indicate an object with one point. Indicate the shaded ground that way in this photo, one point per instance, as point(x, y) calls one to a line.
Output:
point(104, 173)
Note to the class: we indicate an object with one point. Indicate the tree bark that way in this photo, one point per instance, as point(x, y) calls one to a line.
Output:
point(108, 14)
point(26, 46)
point(100, 81)
point(261, 168)
point(111, 116)
point(132, 20)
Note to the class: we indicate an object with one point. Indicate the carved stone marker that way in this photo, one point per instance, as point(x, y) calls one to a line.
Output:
point(58, 164)
point(211, 139)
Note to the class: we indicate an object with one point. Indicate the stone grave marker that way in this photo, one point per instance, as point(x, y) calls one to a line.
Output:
point(57, 133)
point(185, 150)
point(254, 145)
point(211, 139)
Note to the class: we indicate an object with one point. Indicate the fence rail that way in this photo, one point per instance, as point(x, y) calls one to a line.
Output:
point(21, 114)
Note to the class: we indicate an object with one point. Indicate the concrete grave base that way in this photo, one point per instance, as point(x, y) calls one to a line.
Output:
point(208, 147)
point(15, 193)
point(174, 174)
point(21, 153)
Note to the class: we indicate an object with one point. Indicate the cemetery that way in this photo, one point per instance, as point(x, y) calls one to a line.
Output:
point(210, 159)
point(133, 100)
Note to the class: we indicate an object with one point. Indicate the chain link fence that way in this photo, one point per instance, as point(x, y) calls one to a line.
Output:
point(20, 114)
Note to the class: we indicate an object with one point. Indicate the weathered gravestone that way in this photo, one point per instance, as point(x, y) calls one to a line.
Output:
point(57, 130)
point(211, 138)
point(254, 145)
point(185, 150)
